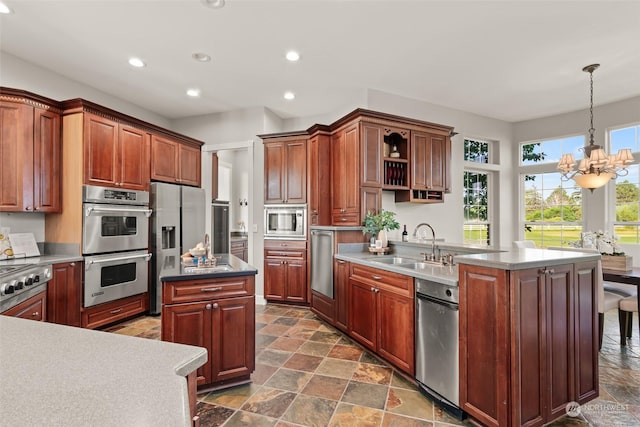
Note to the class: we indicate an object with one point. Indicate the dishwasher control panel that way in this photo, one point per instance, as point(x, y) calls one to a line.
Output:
point(437, 290)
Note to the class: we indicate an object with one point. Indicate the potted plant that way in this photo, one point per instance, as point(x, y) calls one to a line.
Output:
point(378, 224)
point(613, 257)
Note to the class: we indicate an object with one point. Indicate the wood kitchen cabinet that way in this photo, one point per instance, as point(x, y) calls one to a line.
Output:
point(115, 154)
point(240, 248)
point(114, 311)
point(285, 170)
point(341, 293)
point(345, 174)
point(64, 294)
point(528, 342)
point(219, 315)
point(30, 149)
point(382, 314)
point(175, 161)
point(285, 271)
point(34, 308)
point(318, 170)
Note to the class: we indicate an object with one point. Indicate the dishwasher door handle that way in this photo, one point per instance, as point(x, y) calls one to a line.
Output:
point(450, 305)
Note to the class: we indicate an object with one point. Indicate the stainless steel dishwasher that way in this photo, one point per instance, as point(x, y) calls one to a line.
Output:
point(322, 262)
point(437, 350)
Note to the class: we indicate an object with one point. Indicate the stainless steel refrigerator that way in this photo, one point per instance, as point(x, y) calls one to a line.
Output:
point(220, 227)
point(177, 224)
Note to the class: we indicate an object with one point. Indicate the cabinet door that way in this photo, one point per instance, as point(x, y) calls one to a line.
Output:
point(428, 156)
point(134, 158)
point(296, 172)
point(35, 308)
point(371, 200)
point(190, 324)
point(345, 178)
point(233, 349)
point(16, 156)
point(189, 165)
point(585, 290)
point(371, 155)
point(164, 159)
point(274, 163)
point(363, 313)
point(396, 329)
point(100, 151)
point(64, 294)
point(46, 161)
point(296, 285)
point(341, 293)
point(275, 276)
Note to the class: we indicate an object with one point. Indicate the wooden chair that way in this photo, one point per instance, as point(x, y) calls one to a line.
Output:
point(606, 300)
point(626, 307)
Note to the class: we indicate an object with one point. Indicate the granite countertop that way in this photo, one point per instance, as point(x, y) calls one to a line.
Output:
point(520, 259)
point(62, 376)
point(172, 270)
point(445, 274)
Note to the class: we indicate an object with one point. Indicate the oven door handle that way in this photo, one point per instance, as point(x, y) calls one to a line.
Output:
point(91, 209)
point(120, 258)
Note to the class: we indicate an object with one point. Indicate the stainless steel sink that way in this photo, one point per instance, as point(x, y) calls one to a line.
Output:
point(420, 265)
point(394, 260)
point(214, 269)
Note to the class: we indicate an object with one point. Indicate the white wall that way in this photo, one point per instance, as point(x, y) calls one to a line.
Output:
point(598, 214)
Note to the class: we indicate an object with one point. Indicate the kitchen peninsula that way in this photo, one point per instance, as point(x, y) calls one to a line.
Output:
point(212, 308)
point(61, 375)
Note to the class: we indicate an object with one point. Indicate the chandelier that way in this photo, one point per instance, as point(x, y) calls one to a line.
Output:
point(596, 168)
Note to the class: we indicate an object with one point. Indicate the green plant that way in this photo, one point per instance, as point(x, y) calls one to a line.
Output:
point(385, 220)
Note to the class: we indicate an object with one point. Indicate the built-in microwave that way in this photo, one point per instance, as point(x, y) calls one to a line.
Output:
point(285, 222)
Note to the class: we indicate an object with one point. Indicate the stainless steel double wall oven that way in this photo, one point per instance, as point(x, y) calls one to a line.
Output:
point(115, 243)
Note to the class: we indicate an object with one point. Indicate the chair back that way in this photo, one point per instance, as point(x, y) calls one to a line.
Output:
point(524, 244)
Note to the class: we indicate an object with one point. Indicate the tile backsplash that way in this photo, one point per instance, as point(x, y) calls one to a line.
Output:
point(20, 222)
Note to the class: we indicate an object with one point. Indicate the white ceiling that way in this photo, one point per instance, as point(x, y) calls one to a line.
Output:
point(510, 60)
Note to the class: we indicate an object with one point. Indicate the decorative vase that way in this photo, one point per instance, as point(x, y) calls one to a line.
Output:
point(382, 236)
point(617, 262)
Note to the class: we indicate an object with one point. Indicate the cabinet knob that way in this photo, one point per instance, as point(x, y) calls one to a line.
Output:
point(215, 305)
point(208, 306)
point(373, 289)
point(35, 314)
point(35, 208)
point(28, 208)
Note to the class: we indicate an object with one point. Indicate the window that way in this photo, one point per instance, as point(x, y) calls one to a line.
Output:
point(477, 179)
point(551, 208)
point(627, 205)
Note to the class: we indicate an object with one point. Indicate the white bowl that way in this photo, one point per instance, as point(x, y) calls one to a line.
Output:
point(197, 252)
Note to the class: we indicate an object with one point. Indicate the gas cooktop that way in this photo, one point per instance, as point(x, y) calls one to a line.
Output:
point(20, 282)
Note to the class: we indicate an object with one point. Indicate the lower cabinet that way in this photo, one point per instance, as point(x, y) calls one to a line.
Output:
point(381, 314)
point(64, 294)
point(528, 342)
point(224, 325)
point(109, 312)
point(34, 308)
point(341, 293)
point(240, 249)
point(285, 271)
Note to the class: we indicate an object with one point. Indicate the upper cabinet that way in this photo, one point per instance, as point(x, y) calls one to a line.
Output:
point(345, 176)
point(174, 161)
point(285, 170)
point(318, 169)
point(29, 152)
point(115, 154)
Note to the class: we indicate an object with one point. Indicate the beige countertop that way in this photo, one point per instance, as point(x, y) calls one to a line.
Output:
point(58, 375)
point(520, 259)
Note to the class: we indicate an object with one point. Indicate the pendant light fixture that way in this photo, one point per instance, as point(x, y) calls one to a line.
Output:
point(596, 168)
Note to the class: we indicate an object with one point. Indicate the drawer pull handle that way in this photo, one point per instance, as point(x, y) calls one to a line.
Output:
point(219, 288)
point(376, 277)
point(116, 311)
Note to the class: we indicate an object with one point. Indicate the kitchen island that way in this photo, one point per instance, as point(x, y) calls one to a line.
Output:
point(212, 308)
point(62, 376)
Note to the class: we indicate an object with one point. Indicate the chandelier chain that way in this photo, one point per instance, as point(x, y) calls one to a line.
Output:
point(591, 129)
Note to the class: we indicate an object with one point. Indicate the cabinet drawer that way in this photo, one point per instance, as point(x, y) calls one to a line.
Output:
point(238, 244)
point(392, 281)
point(344, 219)
point(207, 289)
point(285, 244)
point(33, 308)
point(110, 312)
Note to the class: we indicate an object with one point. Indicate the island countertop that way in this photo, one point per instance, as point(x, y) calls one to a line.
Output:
point(60, 375)
point(524, 258)
point(172, 270)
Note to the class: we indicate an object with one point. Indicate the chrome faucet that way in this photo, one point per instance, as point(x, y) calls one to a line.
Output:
point(207, 245)
point(433, 241)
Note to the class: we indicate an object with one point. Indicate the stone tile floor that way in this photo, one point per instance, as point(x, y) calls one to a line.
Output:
point(309, 374)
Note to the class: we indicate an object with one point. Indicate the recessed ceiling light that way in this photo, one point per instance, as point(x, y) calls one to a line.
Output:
point(289, 95)
point(5, 10)
point(214, 4)
point(137, 62)
point(194, 93)
point(293, 56)
point(201, 57)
